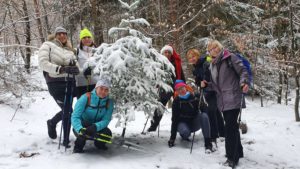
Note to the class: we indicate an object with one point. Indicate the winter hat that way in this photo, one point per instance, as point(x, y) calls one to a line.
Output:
point(85, 33)
point(168, 48)
point(60, 30)
point(103, 82)
point(179, 85)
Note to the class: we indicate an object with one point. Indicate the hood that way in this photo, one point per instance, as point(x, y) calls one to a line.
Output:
point(67, 46)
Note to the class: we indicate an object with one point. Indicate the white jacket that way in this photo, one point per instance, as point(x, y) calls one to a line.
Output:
point(83, 56)
point(52, 55)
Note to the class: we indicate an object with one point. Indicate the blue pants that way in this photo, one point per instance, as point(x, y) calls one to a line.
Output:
point(201, 121)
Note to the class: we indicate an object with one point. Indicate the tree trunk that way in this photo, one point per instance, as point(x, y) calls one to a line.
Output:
point(98, 30)
point(15, 32)
point(286, 83)
point(48, 29)
point(39, 22)
point(28, 37)
point(296, 108)
point(279, 88)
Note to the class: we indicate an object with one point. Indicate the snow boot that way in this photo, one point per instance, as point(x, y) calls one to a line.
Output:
point(51, 129)
point(208, 146)
point(230, 163)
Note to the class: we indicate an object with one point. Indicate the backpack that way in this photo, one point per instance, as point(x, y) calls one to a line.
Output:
point(88, 95)
point(246, 63)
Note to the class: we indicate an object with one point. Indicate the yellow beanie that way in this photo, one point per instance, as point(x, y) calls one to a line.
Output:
point(85, 33)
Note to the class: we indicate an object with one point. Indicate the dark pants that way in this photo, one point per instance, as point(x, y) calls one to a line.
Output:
point(233, 145)
point(81, 140)
point(200, 121)
point(80, 90)
point(63, 93)
point(164, 98)
point(215, 116)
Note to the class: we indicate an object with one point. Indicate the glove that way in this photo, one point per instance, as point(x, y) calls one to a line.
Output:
point(91, 130)
point(171, 143)
point(74, 70)
point(87, 72)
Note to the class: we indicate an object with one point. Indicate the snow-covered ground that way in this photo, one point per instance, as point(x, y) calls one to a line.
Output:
point(272, 141)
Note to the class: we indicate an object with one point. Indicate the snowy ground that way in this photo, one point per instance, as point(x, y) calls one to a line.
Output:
point(273, 141)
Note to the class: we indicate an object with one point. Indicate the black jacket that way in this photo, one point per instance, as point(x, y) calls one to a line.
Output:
point(183, 110)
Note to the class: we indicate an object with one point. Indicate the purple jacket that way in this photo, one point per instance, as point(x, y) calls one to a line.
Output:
point(226, 82)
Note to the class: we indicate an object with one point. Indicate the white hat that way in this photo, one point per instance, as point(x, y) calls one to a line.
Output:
point(168, 48)
point(103, 82)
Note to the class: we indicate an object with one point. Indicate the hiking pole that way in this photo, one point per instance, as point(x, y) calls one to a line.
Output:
point(70, 111)
point(201, 95)
point(63, 111)
point(143, 132)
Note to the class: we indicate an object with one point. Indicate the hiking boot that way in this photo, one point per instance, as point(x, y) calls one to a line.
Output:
point(230, 163)
point(152, 128)
point(209, 149)
point(78, 150)
point(51, 129)
point(66, 144)
point(101, 146)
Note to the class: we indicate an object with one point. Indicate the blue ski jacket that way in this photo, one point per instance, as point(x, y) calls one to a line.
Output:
point(98, 112)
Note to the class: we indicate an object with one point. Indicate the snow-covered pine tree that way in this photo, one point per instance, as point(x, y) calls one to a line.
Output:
point(135, 68)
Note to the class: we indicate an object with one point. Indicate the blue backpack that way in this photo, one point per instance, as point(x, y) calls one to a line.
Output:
point(246, 63)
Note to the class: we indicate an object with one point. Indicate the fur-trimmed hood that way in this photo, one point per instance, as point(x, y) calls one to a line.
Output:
point(67, 46)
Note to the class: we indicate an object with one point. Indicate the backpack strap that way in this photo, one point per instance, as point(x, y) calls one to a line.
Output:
point(230, 64)
point(88, 102)
point(77, 52)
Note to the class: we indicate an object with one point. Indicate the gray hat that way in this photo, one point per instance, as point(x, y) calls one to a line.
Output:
point(60, 30)
point(103, 82)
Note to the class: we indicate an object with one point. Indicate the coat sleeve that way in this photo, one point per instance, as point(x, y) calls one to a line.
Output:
point(44, 57)
point(77, 113)
point(175, 117)
point(240, 69)
point(107, 117)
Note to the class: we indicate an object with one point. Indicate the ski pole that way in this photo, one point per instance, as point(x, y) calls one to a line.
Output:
point(63, 111)
point(192, 142)
point(143, 132)
point(70, 111)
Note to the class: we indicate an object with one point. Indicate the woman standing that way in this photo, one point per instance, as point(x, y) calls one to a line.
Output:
point(85, 82)
point(230, 83)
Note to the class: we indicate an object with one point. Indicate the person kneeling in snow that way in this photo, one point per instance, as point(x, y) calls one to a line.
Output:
point(91, 116)
point(186, 117)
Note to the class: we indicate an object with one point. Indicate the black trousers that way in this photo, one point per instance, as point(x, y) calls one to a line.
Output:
point(215, 116)
point(80, 90)
point(81, 140)
point(63, 93)
point(233, 145)
point(164, 98)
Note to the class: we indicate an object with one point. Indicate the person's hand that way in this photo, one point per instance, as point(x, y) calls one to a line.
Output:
point(74, 70)
point(171, 143)
point(87, 72)
point(203, 83)
point(245, 87)
point(91, 130)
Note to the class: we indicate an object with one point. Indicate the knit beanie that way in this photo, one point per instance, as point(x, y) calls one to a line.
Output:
point(103, 82)
point(60, 30)
point(85, 33)
point(179, 85)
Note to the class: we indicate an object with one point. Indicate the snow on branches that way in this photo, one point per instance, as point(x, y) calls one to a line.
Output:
point(136, 70)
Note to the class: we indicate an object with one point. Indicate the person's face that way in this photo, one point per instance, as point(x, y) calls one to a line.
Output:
point(62, 37)
point(102, 91)
point(181, 91)
point(192, 59)
point(167, 54)
point(87, 41)
point(213, 51)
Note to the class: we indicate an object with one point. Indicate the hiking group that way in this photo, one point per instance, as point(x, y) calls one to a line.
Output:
point(221, 78)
